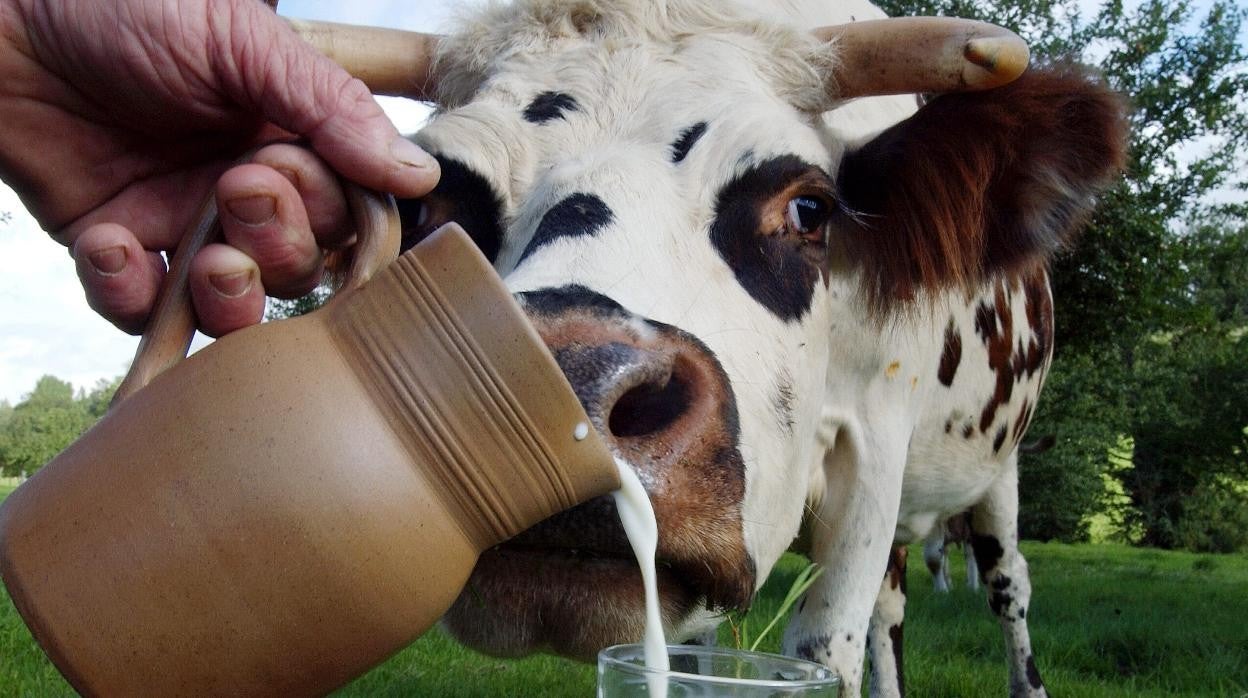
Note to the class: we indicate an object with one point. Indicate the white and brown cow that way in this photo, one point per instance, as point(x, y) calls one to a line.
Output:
point(761, 308)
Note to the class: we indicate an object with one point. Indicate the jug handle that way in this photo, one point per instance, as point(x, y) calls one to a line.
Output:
point(171, 325)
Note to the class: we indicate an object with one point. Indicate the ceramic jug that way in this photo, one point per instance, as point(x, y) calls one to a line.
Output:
point(297, 501)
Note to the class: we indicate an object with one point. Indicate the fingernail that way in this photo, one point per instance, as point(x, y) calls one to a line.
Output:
point(232, 285)
point(411, 155)
point(253, 210)
point(109, 261)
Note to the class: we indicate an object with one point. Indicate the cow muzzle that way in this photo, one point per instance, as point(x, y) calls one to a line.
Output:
point(665, 406)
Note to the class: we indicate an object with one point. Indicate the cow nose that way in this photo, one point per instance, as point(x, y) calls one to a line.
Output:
point(630, 392)
point(665, 405)
point(655, 393)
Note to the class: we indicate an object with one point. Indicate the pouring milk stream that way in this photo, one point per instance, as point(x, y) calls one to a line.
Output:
point(642, 530)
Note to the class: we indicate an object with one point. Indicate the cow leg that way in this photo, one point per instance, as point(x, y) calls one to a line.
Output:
point(994, 538)
point(972, 570)
point(884, 636)
point(851, 535)
point(936, 556)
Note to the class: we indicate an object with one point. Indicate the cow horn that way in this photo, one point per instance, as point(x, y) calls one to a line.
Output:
point(390, 61)
point(923, 54)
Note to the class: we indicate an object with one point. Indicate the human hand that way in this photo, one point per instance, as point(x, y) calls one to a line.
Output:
point(120, 116)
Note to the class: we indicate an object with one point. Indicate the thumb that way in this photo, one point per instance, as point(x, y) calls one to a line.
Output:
point(302, 91)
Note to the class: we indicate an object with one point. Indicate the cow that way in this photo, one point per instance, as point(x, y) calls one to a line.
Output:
point(956, 530)
point(768, 297)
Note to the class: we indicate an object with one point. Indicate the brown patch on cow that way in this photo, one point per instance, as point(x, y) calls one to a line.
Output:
point(998, 337)
point(897, 568)
point(1039, 304)
point(988, 552)
point(1018, 363)
point(948, 426)
point(999, 597)
point(951, 356)
point(893, 368)
point(980, 183)
point(1033, 674)
point(999, 439)
point(985, 320)
point(1024, 420)
point(968, 431)
point(896, 634)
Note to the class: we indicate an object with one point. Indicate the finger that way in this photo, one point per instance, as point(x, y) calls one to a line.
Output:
point(263, 216)
point(308, 94)
point(157, 210)
point(226, 290)
point(323, 200)
point(120, 278)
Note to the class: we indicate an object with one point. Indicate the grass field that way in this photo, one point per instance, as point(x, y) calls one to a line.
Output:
point(1106, 620)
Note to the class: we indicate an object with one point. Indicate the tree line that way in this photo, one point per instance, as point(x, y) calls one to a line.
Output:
point(47, 420)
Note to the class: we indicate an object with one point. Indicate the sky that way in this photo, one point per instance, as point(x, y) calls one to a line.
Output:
point(45, 324)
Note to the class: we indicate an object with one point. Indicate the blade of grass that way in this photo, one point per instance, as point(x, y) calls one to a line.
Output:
point(801, 583)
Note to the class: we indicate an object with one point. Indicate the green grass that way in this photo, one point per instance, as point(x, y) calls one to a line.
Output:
point(1106, 620)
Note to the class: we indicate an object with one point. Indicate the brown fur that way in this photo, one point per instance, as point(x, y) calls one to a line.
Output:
point(977, 184)
point(950, 358)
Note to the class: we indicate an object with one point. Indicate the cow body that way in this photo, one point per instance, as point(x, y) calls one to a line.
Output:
point(765, 299)
point(956, 394)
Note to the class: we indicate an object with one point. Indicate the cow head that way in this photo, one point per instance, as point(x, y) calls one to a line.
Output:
point(658, 185)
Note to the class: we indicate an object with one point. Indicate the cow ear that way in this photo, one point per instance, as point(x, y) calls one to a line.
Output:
point(975, 184)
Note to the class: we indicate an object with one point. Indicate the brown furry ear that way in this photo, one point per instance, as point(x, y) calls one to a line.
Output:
point(980, 183)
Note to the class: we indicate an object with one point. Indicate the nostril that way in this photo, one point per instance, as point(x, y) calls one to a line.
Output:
point(651, 407)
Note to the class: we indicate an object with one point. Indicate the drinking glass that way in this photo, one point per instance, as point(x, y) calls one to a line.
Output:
point(712, 671)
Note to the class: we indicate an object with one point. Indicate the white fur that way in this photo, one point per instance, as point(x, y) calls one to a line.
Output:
point(868, 445)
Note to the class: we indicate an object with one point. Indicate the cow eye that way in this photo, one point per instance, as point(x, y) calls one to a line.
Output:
point(805, 215)
point(462, 196)
point(422, 217)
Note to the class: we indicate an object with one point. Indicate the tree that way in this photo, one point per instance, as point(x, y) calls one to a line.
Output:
point(1189, 482)
point(97, 401)
point(1191, 447)
point(41, 426)
point(279, 309)
point(1062, 486)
